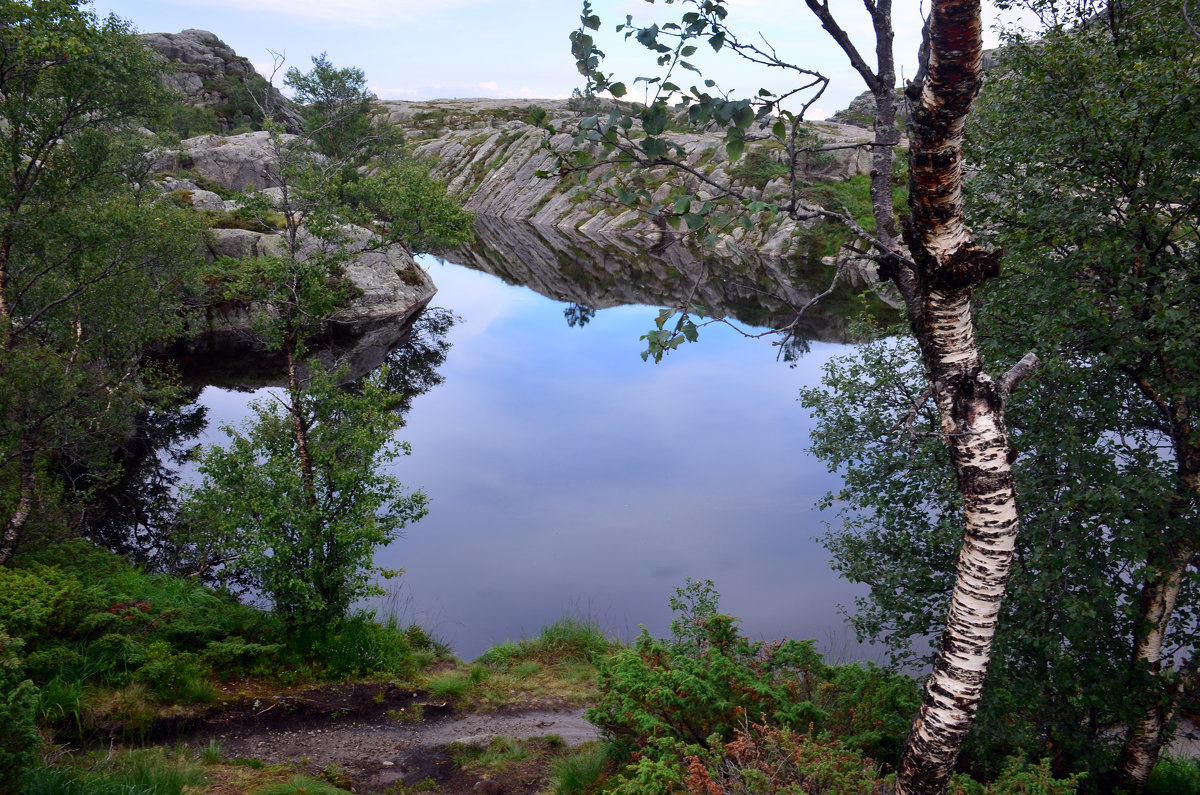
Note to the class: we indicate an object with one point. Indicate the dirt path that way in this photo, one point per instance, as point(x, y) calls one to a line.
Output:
point(365, 730)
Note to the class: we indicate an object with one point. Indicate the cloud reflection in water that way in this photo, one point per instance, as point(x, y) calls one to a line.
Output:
point(566, 474)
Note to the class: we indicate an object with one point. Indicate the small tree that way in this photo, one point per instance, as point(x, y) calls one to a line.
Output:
point(1089, 154)
point(298, 499)
point(335, 103)
point(306, 528)
point(86, 253)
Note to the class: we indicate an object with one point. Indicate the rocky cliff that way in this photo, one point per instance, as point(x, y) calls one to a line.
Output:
point(489, 152)
point(208, 74)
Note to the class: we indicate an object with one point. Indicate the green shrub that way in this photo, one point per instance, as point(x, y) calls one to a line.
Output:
point(358, 646)
point(708, 688)
point(762, 759)
point(655, 690)
point(758, 168)
point(187, 121)
point(1019, 777)
point(237, 656)
point(19, 737)
point(172, 676)
point(1174, 776)
point(40, 600)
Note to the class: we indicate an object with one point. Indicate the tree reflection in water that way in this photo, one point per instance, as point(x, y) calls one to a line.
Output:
point(137, 515)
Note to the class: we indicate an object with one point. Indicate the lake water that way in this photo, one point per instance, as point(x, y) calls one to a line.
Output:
point(567, 476)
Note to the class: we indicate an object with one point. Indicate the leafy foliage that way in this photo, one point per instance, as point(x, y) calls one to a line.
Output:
point(336, 106)
point(19, 736)
point(665, 700)
point(310, 557)
point(405, 203)
point(84, 252)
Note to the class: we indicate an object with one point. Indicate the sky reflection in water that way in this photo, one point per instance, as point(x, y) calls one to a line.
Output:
point(566, 475)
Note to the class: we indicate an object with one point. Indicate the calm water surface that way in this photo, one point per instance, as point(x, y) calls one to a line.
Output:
point(566, 475)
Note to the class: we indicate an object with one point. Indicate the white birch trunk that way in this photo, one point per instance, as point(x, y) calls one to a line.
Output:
point(948, 268)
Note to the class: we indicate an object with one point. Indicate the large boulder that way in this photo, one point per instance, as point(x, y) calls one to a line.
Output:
point(389, 290)
point(385, 282)
point(235, 162)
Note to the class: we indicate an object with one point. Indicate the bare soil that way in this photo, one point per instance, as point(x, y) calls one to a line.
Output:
point(369, 732)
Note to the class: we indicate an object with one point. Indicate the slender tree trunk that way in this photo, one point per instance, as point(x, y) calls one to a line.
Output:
point(948, 266)
point(1143, 743)
point(882, 157)
point(5, 311)
point(299, 425)
point(15, 525)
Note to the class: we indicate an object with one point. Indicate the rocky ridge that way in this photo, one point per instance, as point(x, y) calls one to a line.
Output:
point(489, 153)
point(209, 74)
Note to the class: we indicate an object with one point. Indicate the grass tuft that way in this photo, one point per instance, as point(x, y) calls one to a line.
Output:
point(580, 771)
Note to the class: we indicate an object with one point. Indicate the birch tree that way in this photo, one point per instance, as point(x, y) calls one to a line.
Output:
point(936, 277)
point(1088, 160)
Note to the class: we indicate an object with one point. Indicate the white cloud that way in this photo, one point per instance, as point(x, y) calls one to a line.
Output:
point(396, 93)
point(370, 13)
point(490, 85)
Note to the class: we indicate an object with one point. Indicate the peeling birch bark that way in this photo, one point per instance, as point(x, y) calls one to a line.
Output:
point(1145, 738)
point(971, 403)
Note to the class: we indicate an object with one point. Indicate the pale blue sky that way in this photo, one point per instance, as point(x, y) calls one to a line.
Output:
point(428, 49)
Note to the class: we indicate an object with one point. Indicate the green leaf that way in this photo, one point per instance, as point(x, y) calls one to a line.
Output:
point(617, 90)
point(654, 118)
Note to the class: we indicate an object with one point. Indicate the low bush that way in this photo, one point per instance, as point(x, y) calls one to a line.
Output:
point(1174, 776)
point(94, 647)
point(667, 702)
point(19, 737)
point(758, 168)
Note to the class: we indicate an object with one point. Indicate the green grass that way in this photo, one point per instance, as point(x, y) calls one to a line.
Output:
point(149, 772)
point(300, 785)
point(453, 684)
point(495, 756)
point(568, 639)
point(580, 771)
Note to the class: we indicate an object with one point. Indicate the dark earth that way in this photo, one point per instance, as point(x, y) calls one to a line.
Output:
point(382, 737)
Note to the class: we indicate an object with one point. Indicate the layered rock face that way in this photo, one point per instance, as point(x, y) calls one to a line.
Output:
point(208, 74)
point(489, 153)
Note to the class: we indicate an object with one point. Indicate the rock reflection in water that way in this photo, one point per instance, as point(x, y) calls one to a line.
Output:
point(602, 271)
